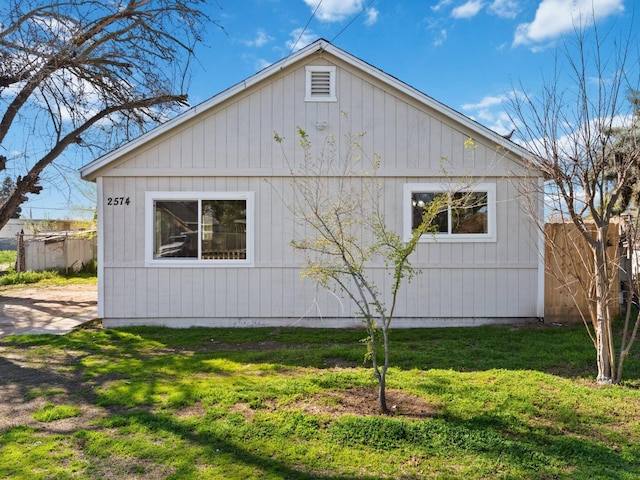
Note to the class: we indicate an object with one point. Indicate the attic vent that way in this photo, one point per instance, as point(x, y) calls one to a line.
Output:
point(320, 84)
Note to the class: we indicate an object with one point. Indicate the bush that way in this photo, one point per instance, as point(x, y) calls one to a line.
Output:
point(89, 268)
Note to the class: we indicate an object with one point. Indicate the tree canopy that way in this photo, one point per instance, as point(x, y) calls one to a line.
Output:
point(87, 74)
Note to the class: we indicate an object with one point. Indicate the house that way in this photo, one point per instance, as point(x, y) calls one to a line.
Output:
point(190, 233)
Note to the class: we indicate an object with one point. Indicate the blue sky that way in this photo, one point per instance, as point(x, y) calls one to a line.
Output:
point(467, 54)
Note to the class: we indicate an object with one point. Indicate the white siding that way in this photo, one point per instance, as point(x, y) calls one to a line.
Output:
point(231, 148)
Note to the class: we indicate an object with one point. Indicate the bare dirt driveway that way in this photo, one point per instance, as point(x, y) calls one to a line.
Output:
point(46, 309)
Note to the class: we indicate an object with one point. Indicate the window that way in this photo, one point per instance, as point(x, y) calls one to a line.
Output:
point(468, 216)
point(205, 228)
point(320, 84)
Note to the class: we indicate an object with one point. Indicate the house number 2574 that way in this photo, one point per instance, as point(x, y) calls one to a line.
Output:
point(118, 201)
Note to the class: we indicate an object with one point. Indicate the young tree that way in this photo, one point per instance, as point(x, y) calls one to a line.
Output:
point(336, 202)
point(586, 142)
point(87, 74)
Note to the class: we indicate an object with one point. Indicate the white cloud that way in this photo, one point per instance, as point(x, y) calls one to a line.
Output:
point(488, 101)
point(372, 16)
point(440, 38)
point(438, 29)
point(261, 64)
point(490, 112)
point(261, 39)
point(297, 41)
point(54, 27)
point(468, 10)
point(505, 8)
point(440, 5)
point(335, 10)
point(556, 17)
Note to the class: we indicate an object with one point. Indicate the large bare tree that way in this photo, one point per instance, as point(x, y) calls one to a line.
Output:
point(585, 134)
point(78, 74)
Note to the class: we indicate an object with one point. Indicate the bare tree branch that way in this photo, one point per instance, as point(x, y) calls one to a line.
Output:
point(90, 73)
point(577, 134)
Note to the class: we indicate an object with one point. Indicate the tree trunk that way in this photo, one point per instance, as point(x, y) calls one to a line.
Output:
point(603, 322)
point(382, 391)
point(383, 374)
point(379, 372)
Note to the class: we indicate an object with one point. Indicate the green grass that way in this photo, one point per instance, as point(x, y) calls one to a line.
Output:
point(51, 412)
point(8, 256)
point(261, 404)
point(47, 277)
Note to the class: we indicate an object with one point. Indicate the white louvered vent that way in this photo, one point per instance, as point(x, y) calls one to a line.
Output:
point(320, 84)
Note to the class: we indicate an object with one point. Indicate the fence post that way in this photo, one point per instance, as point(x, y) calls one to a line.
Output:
point(65, 246)
point(20, 258)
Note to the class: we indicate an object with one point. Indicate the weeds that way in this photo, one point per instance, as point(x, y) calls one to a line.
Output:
point(47, 277)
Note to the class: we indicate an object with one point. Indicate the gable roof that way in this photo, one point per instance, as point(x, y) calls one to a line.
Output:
point(89, 171)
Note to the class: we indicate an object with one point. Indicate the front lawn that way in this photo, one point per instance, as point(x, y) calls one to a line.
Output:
point(472, 403)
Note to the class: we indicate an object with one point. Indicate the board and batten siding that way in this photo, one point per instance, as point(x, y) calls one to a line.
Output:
point(479, 282)
point(231, 148)
point(237, 137)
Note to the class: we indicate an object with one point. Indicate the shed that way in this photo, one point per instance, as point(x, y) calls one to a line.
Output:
point(190, 233)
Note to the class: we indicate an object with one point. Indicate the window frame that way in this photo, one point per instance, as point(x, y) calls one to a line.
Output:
point(430, 237)
point(309, 71)
point(151, 197)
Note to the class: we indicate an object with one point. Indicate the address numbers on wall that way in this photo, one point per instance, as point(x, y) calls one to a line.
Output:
point(118, 201)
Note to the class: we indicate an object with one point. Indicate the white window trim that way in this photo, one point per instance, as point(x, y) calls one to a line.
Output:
point(309, 69)
point(149, 219)
point(490, 236)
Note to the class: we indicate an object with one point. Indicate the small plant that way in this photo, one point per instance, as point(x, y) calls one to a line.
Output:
point(338, 203)
point(50, 412)
point(90, 267)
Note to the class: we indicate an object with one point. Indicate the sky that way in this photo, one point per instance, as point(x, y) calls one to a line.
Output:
point(467, 54)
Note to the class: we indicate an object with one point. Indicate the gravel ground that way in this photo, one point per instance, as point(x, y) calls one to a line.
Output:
point(51, 309)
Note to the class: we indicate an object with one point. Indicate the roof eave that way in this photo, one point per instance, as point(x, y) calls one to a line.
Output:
point(412, 92)
point(89, 171)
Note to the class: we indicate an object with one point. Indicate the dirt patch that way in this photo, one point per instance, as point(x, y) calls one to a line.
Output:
point(363, 401)
point(63, 298)
point(43, 309)
point(30, 381)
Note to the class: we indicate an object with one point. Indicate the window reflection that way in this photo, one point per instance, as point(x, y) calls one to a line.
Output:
point(469, 213)
point(200, 229)
point(420, 202)
point(224, 228)
point(176, 229)
point(466, 213)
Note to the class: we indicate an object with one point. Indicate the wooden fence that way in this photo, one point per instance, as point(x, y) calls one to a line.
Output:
point(569, 273)
point(56, 250)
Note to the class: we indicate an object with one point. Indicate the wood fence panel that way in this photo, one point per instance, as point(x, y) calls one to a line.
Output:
point(569, 273)
point(62, 250)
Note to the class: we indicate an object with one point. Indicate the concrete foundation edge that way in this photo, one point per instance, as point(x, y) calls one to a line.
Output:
point(311, 322)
